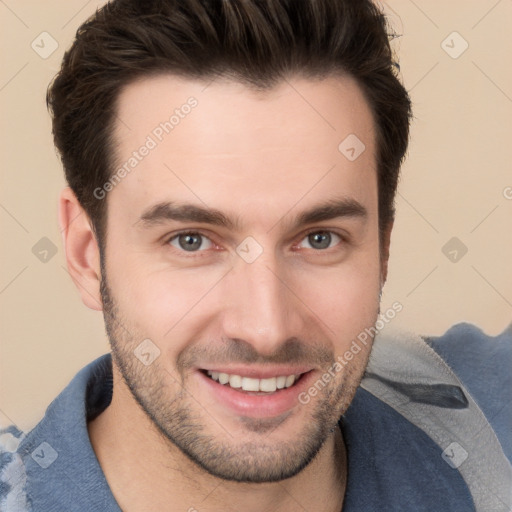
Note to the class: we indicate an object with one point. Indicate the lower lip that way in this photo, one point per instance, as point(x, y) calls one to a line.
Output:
point(257, 406)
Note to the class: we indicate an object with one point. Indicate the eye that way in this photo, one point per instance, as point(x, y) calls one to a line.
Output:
point(321, 240)
point(190, 241)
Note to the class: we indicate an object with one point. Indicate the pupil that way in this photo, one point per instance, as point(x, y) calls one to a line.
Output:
point(322, 238)
point(190, 242)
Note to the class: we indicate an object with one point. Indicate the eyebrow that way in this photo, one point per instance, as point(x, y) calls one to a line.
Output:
point(165, 211)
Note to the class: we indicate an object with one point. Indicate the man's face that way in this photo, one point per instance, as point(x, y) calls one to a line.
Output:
point(258, 298)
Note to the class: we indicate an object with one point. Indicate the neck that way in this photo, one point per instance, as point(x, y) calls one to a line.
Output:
point(145, 471)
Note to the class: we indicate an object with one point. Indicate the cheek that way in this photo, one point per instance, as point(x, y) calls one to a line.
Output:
point(163, 305)
point(345, 298)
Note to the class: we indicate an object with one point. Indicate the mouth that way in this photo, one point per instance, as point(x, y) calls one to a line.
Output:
point(253, 385)
point(244, 393)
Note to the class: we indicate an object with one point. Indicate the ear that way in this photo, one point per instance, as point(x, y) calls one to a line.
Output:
point(81, 248)
point(384, 254)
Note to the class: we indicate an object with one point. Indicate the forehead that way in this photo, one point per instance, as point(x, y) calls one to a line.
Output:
point(211, 142)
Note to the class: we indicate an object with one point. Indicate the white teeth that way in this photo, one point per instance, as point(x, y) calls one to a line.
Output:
point(280, 382)
point(223, 378)
point(235, 381)
point(249, 384)
point(269, 385)
point(289, 381)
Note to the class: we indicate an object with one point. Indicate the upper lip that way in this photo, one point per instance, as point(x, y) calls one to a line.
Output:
point(258, 372)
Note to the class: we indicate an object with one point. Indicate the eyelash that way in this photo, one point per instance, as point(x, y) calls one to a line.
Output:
point(201, 253)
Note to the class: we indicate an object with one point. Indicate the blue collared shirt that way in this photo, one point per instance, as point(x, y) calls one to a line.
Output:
point(392, 464)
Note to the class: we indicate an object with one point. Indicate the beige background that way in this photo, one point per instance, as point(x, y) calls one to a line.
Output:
point(454, 184)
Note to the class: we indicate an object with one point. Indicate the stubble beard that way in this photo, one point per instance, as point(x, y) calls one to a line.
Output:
point(183, 422)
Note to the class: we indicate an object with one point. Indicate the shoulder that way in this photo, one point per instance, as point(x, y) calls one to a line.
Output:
point(39, 468)
point(464, 341)
point(432, 405)
point(483, 364)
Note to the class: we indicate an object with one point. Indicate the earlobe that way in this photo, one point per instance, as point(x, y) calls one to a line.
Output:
point(81, 249)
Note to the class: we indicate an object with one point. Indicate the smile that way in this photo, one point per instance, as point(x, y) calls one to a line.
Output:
point(255, 392)
point(269, 385)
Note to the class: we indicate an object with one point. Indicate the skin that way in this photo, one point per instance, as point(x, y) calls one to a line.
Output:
point(263, 158)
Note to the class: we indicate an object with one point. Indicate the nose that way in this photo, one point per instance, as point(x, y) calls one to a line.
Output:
point(260, 306)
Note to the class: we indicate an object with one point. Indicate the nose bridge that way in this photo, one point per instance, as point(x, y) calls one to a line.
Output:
point(262, 310)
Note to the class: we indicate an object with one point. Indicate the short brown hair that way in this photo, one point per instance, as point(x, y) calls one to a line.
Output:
point(257, 42)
